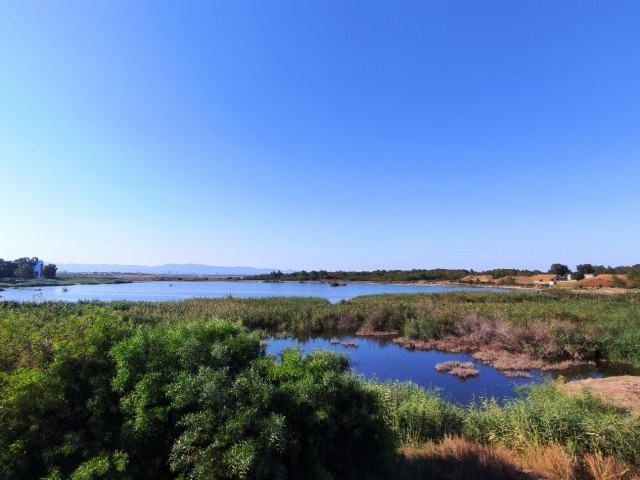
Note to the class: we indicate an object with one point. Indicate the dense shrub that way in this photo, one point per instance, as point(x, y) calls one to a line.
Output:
point(95, 396)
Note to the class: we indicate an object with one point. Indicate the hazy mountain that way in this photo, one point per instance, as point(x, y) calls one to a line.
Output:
point(171, 268)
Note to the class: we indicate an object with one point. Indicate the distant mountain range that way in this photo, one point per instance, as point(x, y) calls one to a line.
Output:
point(168, 269)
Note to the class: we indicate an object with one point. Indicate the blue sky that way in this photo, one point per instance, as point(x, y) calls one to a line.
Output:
point(322, 134)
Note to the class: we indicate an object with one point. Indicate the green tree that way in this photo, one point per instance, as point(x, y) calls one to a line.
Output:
point(7, 268)
point(24, 271)
point(585, 268)
point(559, 269)
point(204, 396)
point(634, 275)
point(50, 270)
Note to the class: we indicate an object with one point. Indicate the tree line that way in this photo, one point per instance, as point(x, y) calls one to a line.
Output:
point(23, 268)
point(415, 275)
point(388, 275)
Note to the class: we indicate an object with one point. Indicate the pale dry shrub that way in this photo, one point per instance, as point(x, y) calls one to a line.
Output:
point(601, 467)
point(552, 462)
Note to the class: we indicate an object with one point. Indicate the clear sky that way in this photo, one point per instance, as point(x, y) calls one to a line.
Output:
point(321, 134)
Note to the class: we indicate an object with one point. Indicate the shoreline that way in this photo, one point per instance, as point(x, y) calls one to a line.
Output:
point(98, 279)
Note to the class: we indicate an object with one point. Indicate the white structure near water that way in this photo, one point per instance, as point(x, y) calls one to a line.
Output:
point(37, 268)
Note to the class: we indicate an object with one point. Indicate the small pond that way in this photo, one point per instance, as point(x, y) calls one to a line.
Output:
point(380, 358)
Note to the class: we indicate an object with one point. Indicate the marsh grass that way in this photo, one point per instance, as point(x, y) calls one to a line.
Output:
point(549, 326)
point(548, 429)
point(544, 429)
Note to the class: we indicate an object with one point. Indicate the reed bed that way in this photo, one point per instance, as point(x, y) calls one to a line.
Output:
point(548, 327)
point(544, 431)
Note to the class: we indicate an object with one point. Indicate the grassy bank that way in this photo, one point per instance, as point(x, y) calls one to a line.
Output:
point(61, 281)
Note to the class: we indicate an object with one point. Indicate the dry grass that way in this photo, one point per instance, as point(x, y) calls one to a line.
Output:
point(505, 361)
point(551, 462)
point(456, 458)
point(511, 348)
point(459, 369)
point(600, 467)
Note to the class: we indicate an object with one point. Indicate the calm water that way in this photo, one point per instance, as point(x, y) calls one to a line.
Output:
point(382, 359)
point(167, 291)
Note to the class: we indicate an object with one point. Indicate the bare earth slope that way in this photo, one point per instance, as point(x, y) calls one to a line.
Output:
point(623, 391)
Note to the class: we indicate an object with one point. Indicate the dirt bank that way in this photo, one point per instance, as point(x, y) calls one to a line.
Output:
point(622, 391)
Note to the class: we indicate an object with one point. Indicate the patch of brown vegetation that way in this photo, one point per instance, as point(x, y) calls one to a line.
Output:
point(508, 347)
point(477, 278)
point(598, 466)
point(508, 361)
point(456, 458)
point(447, 344)
point(459, 369)
point(623, 391)
point(516, 280)
point(551, 462)
point(605, 281)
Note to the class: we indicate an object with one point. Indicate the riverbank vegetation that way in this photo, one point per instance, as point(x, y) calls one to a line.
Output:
point(60, 281)
point(186, 390)
point(539, 328)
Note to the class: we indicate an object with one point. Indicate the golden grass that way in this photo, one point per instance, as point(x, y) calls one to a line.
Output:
point(456, 458)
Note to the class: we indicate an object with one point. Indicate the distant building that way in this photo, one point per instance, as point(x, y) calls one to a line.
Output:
point(37, 268)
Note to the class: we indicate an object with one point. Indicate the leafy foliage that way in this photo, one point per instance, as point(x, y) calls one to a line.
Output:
point(559, 269)
point(50, 271)
point(88, 394)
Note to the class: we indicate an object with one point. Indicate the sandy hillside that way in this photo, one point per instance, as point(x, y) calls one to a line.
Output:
point(623, 391)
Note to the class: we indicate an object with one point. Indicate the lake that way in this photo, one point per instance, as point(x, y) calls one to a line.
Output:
point(382, 359)
point(171, 291)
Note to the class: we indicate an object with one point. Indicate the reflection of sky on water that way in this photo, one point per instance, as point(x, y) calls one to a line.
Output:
point(167, 291)
point(382, 359)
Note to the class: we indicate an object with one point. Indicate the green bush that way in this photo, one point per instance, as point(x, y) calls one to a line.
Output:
point(87, 395)
point(545, 415)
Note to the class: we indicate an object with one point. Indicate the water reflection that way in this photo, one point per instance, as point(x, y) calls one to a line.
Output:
point(379, 357)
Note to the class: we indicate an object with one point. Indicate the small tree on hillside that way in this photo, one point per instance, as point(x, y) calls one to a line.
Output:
point(559, 269)
point(50, 271)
